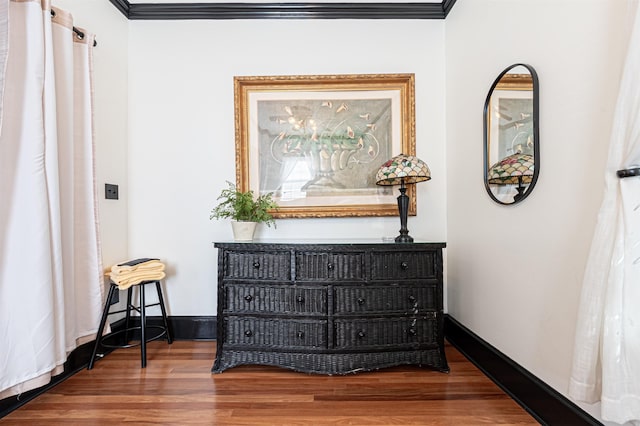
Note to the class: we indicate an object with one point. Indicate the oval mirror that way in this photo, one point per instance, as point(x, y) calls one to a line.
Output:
point(511, 135)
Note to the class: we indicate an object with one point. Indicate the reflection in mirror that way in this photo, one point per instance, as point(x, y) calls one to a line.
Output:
point(511, 141)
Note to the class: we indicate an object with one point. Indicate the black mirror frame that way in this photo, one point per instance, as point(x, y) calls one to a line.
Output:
point(536, 135)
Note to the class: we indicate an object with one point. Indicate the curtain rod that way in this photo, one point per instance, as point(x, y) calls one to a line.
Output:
point(625, 173)
point(79, 33)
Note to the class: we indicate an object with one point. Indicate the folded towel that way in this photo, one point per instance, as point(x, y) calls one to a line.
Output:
point(137, 265)
point(124, 283)
point(137, 261)
point(133, 272)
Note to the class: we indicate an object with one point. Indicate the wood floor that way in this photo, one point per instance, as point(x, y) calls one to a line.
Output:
point(177, 388)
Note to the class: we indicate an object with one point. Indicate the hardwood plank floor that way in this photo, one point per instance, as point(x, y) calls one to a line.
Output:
point(177, 388)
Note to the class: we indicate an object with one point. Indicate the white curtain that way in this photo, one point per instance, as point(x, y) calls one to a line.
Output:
point(606, 361)
point(51, 285)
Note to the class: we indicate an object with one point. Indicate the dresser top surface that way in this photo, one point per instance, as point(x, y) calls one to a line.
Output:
point(353, 242)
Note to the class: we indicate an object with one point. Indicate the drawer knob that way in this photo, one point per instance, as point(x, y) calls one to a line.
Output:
point(248, 298)
point(361, 334)
point(360, 301)
point(300, 299)
point(256, 264)
point(248, 333)
point(300, 334)
point(412, 332)
point(330, 266)
point(404, 265)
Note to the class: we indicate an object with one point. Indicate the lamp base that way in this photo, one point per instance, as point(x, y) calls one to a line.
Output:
point(404, 239)
point(403, 208)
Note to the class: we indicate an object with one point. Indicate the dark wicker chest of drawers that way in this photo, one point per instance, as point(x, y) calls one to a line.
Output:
point(330, 308)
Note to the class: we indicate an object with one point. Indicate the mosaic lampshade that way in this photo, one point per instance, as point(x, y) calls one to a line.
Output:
point(403, 169)
point(515, 169)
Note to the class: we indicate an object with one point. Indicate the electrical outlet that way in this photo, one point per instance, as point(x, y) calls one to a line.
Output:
point(110, 191)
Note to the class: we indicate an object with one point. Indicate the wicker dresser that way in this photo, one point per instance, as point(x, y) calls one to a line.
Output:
point(330, 308)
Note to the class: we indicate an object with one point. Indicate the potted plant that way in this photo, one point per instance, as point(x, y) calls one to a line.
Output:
point(245, 211)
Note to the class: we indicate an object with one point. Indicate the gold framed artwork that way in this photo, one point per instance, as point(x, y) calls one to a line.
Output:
point(317, 141)
point(511, 118)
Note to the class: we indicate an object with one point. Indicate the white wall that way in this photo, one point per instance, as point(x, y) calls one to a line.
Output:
point(181, 147)
point(515, 272)
point(110, 115)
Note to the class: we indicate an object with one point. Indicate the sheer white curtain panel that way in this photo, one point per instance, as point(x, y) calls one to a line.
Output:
point(606, 360)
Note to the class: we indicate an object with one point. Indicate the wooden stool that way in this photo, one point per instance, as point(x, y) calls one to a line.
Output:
point(141, 309)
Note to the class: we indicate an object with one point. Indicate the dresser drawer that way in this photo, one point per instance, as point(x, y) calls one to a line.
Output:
point(385, 332)
point(275, 333)
point(403, 265)
point(384, 299)
point(275, 299)
point(265, 265)
point(330, 266)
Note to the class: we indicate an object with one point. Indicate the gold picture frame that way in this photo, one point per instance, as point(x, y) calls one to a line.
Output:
point(316, 141)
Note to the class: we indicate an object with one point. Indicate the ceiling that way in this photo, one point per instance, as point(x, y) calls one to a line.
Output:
point(358, 9)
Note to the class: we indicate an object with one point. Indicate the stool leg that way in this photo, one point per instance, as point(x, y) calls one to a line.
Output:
point(164, 312)
point(127, 316)
point(103, 321)
point(143, 326)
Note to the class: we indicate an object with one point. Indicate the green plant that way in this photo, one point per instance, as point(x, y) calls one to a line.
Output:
point(243, 206)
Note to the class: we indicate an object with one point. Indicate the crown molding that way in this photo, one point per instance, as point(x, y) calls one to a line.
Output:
point(219, 11)
point(122, 5)
point(446, 7)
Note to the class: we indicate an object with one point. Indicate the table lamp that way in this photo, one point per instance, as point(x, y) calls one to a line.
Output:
point(401, 170)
